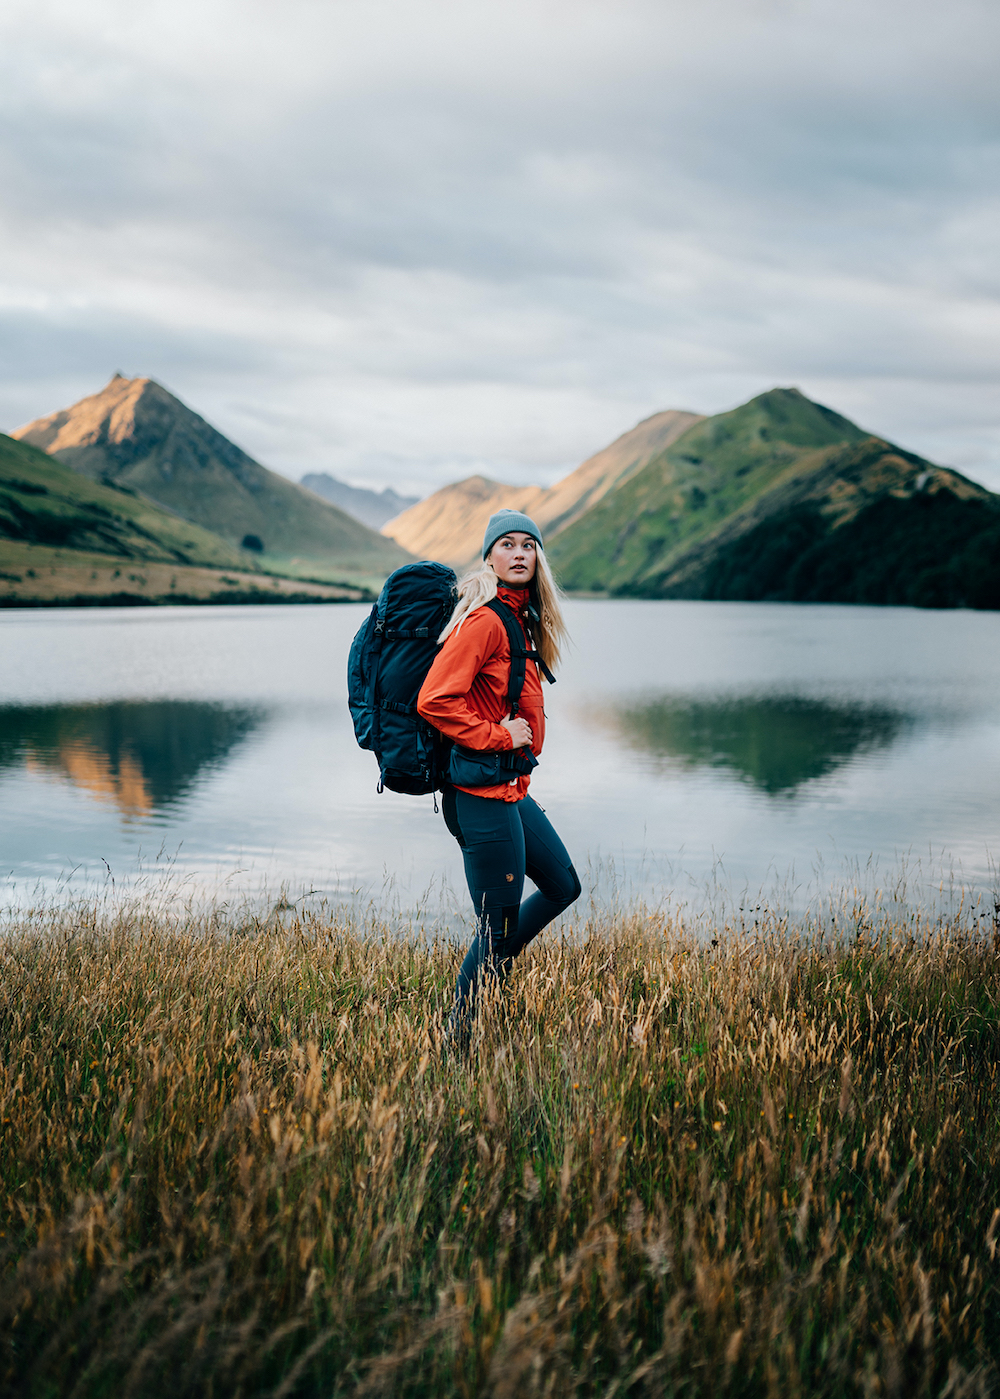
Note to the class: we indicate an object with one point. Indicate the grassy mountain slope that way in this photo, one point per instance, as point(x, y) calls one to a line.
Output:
point(696, 521)
point(137, 435)
point(609, 468)
point(65, 539)
point(449, 524)
point(687, 491)
point(931, 549)
point(43, 502)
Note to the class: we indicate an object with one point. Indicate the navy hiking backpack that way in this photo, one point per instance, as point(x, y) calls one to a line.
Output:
point(390, 656)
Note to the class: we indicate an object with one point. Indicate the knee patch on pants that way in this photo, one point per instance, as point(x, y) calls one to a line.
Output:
point(562, 886)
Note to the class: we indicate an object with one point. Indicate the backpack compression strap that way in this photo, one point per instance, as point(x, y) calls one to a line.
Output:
point(518, 655)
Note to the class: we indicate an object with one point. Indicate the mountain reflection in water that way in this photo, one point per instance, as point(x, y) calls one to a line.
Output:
point(141, 755)
point(777, 742)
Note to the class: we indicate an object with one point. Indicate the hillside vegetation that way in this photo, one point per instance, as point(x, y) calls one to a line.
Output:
point(235, 1161)
point(925, 550)
point(44, 502)
point(784, 499)
point(137, 435)
point(68, 541)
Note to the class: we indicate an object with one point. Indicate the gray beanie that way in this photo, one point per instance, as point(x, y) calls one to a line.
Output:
point(504, 522)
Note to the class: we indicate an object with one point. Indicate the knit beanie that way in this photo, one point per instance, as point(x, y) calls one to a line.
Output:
point(505, 522)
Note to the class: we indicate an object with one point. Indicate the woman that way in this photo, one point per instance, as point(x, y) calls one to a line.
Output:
point(503, 833)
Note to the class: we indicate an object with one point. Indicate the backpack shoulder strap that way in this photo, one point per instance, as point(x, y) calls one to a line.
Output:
point(519, 654)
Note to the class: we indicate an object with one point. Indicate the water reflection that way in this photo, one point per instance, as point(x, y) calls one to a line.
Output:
point(139, 755)
point(776, 742)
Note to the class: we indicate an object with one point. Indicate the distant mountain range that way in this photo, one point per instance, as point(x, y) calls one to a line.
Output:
point(780, 499)
point(372, 508)
point(136, 435)
point(449, 524)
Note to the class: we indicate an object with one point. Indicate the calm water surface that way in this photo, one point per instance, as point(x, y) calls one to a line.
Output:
point(747, 745)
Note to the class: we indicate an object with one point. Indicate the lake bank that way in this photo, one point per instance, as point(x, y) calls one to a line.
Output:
point(36, 575)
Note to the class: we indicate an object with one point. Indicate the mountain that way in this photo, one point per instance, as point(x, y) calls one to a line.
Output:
point(372, 508)
point(785, 499)
point(135, 434)
point(449, 524)
point(65, 539)
point(611, 467)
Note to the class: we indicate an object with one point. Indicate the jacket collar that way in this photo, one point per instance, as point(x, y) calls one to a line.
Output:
point(517, 599)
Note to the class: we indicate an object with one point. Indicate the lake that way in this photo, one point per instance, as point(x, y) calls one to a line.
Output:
point(691, 747)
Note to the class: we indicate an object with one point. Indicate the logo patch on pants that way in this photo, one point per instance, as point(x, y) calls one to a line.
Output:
point(510, 879)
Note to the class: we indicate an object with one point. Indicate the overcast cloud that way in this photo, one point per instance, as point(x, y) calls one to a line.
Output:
point(406, 241)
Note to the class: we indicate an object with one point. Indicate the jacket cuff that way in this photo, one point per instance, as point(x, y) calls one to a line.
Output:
point(506, 743)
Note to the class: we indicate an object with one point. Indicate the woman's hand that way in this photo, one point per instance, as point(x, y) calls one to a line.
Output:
point(520, 731)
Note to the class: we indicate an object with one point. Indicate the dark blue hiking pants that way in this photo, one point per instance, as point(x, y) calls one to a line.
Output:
point(501, 843)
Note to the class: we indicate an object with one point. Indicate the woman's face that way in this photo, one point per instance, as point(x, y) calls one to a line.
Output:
point(513, 559)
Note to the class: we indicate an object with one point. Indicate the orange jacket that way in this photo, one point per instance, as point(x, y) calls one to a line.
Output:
point(465, 691)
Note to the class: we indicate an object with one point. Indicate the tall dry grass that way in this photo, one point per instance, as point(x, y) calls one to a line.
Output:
point(235, 1161)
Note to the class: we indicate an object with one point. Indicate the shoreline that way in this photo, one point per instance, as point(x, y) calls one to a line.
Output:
point(37, 576)
point(225, 598)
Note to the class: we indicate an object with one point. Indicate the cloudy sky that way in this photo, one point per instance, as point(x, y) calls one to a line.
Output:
point(404, 240)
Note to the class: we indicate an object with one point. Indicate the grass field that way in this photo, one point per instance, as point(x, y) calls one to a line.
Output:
point(34, 575)
point(236, 1161)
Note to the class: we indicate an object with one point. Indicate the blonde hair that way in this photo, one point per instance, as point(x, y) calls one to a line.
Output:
point(479, 587)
